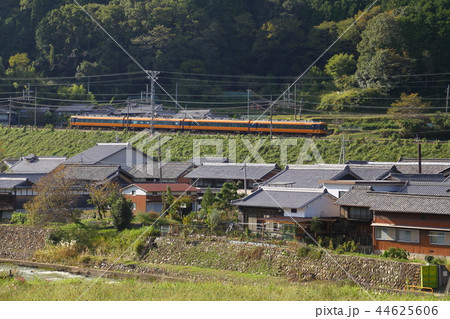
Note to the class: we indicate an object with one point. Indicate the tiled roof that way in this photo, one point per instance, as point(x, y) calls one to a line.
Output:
point(97, 153)
point(413, 204)
point(278, 198)
point(196, 114)
point(308, 176)
point(10, 183)
point(32, 177)
point(158, 187)
point(424, 188)
point(36, 164)
point(170, 170)
point(417, 177)
point(232, 171)
point(359, 196)
point(372, 172)
point(427, 168)
point(200, 160)
point(395, 202)
point(94, 173)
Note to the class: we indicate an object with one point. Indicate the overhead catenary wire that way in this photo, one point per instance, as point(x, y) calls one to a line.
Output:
point(150, 74)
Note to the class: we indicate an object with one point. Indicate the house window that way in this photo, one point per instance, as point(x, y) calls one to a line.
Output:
point(385, 233)
point(154, 193)
point(439, 238)
point(361, 213)
point(341, 193)
point(408, 235)
point(294, 210)
point(134, 206)
point(276, 227)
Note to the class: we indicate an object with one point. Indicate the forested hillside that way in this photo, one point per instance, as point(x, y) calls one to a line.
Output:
point(395, 58)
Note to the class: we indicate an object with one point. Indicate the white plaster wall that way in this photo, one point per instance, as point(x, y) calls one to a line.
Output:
point(129, 191)
point(323, 207)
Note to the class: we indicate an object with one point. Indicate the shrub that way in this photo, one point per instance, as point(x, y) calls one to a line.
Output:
point(397, 253)
point(146, 218)
point(303, 251)
point(121, 213)
point(19, 218)
point(349, 246)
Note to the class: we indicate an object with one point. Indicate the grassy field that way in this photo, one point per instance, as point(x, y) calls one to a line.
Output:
point(361, 144)
point(71, 289)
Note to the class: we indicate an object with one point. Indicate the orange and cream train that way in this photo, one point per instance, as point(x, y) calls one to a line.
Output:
point(239, 126)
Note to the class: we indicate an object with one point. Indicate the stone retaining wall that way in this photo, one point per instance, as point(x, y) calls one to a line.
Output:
point(21, 242)
point(276, 260)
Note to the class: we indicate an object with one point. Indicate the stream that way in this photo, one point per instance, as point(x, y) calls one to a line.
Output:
point(30, 273)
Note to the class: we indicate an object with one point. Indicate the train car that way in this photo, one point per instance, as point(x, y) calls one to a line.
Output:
point(289, 127)
point(278, 127)
point(217, 125)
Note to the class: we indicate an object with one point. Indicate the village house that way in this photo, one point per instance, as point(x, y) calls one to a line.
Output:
point(84, 175)
point(14, 193)
point(160, 172)
point(34, 164)
point(416, 217)
point(268, 208)
point(149, 197)
point(248, 176)
point(123, 154)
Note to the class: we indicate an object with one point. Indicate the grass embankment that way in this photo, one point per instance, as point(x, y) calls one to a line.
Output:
point(65, 290)
point(362, 145)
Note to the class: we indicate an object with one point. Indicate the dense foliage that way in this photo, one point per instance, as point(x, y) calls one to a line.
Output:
point(396, 47)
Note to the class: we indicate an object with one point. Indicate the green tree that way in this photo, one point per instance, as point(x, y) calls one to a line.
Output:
point(122, 213)
point(208, 199)
point(2, 67)
point(214, 219)
point(55, 199)
point(409, 105)
point(227, 193)
point(101, 196)
point(382, 54)
point(76, 93)
point(341, 68)
point(172, 205)
point(20, 66)
point(340, 64)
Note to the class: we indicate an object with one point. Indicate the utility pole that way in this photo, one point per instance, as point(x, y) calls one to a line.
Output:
point(176, 96)
point(35, 107)
point(248, 104)
point(342, 154)
point(295, 102)
point(9, 117)
point(159, 159)
point(271, 113)
point(300, 110)
point(128, 112)
point(152, 75)
point(446, 100)
point(245, 178)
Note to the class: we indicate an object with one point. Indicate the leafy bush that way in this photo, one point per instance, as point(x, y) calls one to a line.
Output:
point(121, 213)
point(349, 246)
point(303, 251)
point(83, 236)
point(146, 219)
point(19, 218)
point(397, 253)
